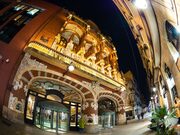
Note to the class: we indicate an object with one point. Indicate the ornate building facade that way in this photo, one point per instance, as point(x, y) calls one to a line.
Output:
point(39, 43)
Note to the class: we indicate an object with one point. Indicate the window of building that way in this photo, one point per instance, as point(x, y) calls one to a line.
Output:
point(11, 12)
point(8, 31)
point(70, 35)
point(174, 92)
point(172, 34)
point(3, 4)
point(67, 35)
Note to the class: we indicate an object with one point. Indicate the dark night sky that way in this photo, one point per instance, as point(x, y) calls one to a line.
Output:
point(108, 18)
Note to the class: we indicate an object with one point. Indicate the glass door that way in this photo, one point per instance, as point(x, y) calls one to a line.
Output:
point(54, 120)
point(37, 117)
point(63, 124)
point(47, 118)
point(73, 116)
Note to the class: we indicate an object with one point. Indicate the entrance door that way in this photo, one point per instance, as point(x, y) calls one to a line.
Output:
point(75, 110)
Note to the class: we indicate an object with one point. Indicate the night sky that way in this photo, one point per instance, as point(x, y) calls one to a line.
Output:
point(108, 18)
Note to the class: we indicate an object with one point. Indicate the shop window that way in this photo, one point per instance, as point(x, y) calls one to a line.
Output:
point(167, 70)
point(9, 13)
point(15, 25)
point(172, 34)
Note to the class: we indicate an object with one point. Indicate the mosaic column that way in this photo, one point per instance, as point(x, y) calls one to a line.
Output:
point(121, 116)
point(90, 111)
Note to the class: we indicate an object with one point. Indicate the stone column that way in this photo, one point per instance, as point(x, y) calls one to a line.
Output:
point(109, 70)
point(90, 111)
point(120, 116)
point(102, 66)
point(114, 74)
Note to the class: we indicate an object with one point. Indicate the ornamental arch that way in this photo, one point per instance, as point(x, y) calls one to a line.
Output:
point(114, 97)
point(28, 74)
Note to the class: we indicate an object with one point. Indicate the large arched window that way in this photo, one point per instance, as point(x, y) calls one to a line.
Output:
point(70, 35)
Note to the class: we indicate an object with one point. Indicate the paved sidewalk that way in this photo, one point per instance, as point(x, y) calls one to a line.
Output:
point(134, 127)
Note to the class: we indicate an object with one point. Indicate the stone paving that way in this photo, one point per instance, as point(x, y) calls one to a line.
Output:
point(134, 127)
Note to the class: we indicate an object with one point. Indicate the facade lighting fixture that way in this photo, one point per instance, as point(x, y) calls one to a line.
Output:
point(70, 68)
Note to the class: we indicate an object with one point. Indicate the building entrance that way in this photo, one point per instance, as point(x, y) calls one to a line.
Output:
point(50, 115)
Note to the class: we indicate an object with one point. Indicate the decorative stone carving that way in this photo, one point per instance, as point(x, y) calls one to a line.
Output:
point(25, 89)
point(92, 119)
point(85, 105)
point(120, 108)
point(29, 63)
point(16, 105)
point(87, 84)
point(69, 46)
point(94, 105)
point(12, 101)
point(18, 84)
point(26, 64)
point(95, 85)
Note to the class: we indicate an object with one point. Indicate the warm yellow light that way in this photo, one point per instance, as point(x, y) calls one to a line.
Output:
point(70, 68)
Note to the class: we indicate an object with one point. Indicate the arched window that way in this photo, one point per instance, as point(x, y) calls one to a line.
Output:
point(67, 35)
point(70, 35)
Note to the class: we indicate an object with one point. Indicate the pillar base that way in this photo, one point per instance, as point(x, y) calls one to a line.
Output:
point(121, 119)
point(92, 129)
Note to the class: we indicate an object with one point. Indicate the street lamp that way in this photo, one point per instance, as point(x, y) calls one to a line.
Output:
point(154, 89)
point(140, 4)
point(70, 68)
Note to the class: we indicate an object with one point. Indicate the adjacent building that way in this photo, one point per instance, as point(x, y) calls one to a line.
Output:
point(155, 26)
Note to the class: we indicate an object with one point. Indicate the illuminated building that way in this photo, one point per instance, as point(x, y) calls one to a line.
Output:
point(155, 26)
point(56, 66)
